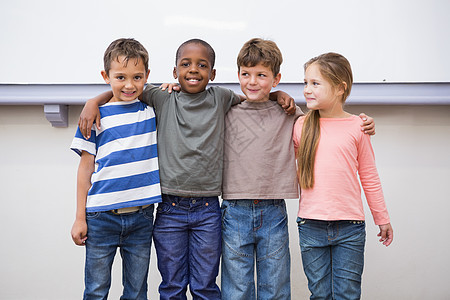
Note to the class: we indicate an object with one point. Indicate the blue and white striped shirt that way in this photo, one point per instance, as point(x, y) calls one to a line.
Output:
point(126, 158)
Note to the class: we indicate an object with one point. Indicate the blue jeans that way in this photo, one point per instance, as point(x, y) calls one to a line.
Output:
point(255, 231)
point(132, 233)
point(333, 257)
point(187, 238)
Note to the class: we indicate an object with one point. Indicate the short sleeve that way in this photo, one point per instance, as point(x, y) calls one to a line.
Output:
point(298, 112)
point(154, 96)
point(80, 144)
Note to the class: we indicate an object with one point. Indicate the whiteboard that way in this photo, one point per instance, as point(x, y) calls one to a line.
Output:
point(51, 41)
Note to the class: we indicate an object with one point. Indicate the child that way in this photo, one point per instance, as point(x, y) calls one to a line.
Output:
point(120, 159)
point(259, 173)
point(331, 151)
point(187, 230)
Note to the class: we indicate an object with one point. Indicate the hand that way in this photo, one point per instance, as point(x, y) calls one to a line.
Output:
point(286, 102)
point(386, 234)
point(170, 87)
point(88, 116)
point(79, 232)
point(368, 125)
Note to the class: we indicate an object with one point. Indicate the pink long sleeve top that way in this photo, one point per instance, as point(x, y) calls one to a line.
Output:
point(343, 153)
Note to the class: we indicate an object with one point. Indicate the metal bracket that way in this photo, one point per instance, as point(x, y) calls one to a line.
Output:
point(57, 114)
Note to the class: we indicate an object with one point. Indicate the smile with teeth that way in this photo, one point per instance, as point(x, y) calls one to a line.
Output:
point(129, 93)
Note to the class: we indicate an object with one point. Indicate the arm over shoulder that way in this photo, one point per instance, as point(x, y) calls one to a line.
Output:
point(154, 96)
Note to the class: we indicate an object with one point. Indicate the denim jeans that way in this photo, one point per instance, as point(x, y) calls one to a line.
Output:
point(187, 238)
point(333, 257)
point(132, 233)
point(255, 232)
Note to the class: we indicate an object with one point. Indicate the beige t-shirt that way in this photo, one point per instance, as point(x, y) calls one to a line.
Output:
point(259, 157)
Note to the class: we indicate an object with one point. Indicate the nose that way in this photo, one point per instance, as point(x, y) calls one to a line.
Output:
point(128, 84)
point(306, 89)
point(193, 68)
point(252, 79)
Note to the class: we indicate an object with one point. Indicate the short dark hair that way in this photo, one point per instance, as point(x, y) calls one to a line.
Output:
point(128, 47)
point(211, 53)
point(256, 51)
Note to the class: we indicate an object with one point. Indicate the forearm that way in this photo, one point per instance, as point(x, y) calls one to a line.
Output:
point(81, 205)
point(274, 95)
point(102, 98)
point(85, 170)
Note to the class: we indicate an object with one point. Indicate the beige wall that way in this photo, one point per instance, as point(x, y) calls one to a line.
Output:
point(37, 195)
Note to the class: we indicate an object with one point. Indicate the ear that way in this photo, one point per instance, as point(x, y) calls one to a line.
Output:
point(276, 80)
point(146, 75)
point(105, 76)
point(175, 72)
point(342, 88)
point(213, 74)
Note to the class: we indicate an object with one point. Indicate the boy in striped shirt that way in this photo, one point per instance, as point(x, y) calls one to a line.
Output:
point(118, 178)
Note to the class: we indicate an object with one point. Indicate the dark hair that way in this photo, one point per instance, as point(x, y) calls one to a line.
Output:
point(130, 48)
point(211, 53)
point(257, 51)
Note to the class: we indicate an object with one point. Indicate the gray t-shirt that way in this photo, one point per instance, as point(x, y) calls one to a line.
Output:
point(259, 157)
point(190, 139)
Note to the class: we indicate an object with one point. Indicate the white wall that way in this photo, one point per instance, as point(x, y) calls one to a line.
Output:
point(38, 259)
point(53, 41)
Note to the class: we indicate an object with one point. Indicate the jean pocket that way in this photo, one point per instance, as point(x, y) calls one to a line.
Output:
point(223, 208)
point(148, 212)
point(164, 208)
point(92, 215)
point(213, 205)
point(281, 209)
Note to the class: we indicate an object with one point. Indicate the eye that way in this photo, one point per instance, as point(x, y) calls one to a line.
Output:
point(244, 74)
point(185, 64)
point(120, 77)
point(315, 83)
point(202, 65)
point(138, 77)
point(262, 75)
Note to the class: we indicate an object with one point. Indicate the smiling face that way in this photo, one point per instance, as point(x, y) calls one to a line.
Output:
point(319, 93)
point(194, 69)
point(257, 82)
point(126, 78)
